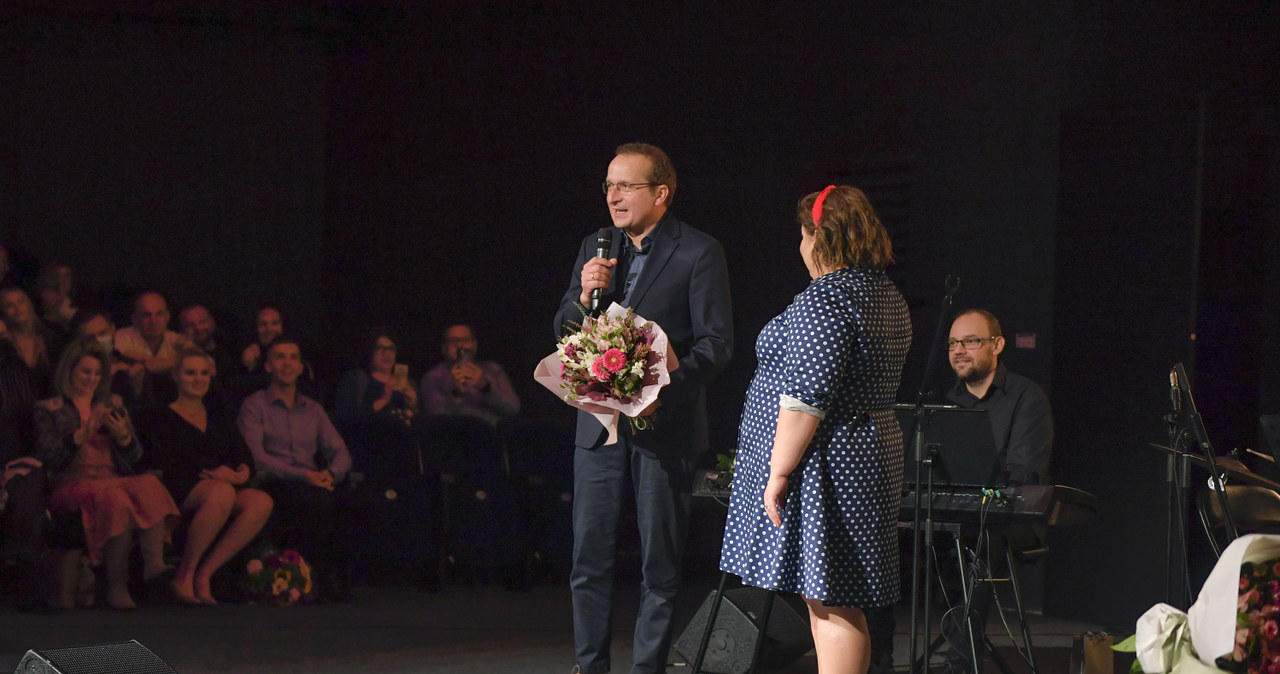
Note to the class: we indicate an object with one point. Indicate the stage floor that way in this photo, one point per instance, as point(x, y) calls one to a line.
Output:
point(458, 630)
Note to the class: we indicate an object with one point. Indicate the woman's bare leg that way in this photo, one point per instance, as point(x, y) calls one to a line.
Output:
point(210, 503)
point(840, 638)
point(251, 510)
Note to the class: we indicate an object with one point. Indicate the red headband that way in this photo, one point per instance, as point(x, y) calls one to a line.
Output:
point(817, 205)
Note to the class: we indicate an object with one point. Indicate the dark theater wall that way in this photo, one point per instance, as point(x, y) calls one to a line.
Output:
point(466, 148)
point(173, 152)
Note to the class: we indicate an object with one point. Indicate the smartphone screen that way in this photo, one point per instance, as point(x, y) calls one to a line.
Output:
point(401, 373)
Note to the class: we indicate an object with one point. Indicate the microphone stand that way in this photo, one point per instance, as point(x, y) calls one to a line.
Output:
point(1177, 469)
point(924, 462)
point(1184, 402)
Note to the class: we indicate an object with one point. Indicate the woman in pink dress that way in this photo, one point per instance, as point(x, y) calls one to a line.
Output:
point(88, 446)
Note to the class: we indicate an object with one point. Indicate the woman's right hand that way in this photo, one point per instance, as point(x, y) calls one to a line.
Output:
point(775, 498)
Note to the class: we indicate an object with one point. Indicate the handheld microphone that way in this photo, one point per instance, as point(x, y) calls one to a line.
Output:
point(604, 240)
point(1175, 391)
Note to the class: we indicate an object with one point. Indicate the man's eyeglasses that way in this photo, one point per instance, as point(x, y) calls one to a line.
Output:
point(970, 343)
point(624, 187)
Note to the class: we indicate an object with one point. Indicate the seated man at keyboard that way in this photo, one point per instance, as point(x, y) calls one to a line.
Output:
point(1023, 427)
point(1018, 409)
point(1022, 424)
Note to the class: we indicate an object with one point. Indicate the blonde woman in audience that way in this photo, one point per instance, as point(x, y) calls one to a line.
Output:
point(88, 446)
point(206, 465)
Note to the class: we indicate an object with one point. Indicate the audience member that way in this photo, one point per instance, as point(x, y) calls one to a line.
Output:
point(205, 463)
point(252, 375)
point(381, 389)
point(126, 378)
point(149, 341)
point(398, 498)
point(20, 388)
point(22, 483)
point(460, 384)
point(55, 286)
point(200, 328)
point(301, 457)
point(88, 447)
point(268, 324)
point(36, 345)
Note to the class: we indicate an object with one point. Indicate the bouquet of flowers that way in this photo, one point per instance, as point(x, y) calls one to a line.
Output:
point(613, 364)
point(1257, 642)
point(280, 578)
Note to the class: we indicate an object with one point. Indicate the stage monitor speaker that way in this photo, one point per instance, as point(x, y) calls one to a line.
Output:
point(129, 657)
point(733, 637)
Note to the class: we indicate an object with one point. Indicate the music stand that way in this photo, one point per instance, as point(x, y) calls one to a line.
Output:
point(957, 445)
point(963, 446)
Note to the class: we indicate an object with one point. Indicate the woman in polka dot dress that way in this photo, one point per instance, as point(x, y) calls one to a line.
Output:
point(818, 476)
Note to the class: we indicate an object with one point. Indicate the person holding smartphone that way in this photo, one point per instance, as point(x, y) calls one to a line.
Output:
point(381, 388)
point(396, 501)
point(461, 384)
point(88, 447)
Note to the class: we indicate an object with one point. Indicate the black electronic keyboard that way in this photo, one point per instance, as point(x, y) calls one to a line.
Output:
point(713, 483)
point(1051, 505)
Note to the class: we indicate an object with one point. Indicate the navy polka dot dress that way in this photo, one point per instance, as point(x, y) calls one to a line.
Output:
point(837, 351)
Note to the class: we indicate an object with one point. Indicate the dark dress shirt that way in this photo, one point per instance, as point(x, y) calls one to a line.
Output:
point(1021, 421)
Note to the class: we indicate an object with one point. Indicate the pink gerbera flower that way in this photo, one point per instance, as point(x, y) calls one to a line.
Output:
point(599, 370)
point(614, 360)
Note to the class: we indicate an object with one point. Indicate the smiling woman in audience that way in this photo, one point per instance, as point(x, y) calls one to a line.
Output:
point(88, 446)
point(206, 465)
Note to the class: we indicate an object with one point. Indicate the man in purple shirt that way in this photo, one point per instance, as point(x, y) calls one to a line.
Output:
point(460, 384)
point(300, 457)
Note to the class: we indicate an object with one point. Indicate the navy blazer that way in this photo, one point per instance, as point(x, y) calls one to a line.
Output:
point(684, 288)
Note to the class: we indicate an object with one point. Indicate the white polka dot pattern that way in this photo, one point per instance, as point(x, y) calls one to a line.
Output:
point(840, 348)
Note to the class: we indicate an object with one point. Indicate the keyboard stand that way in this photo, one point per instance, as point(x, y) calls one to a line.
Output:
point(956, 530)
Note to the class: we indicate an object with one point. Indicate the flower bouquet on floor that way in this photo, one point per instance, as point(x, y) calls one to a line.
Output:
point(614, 364)
point(280, 579)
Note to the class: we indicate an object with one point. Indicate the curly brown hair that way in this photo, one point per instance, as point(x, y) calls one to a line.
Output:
point(851, 235)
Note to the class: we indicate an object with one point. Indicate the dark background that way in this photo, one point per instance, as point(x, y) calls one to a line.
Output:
point(1104, 177)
